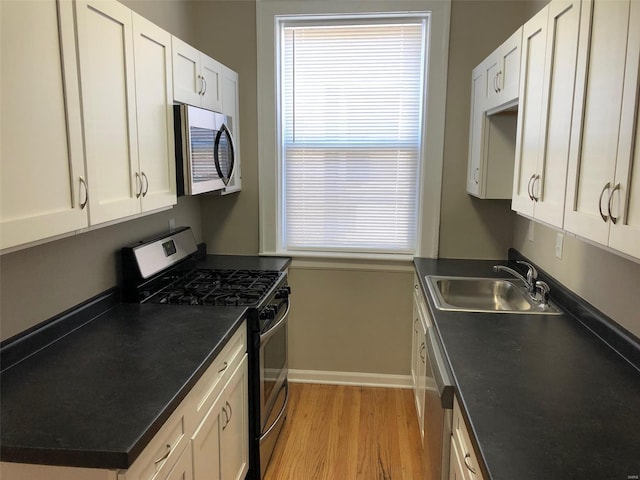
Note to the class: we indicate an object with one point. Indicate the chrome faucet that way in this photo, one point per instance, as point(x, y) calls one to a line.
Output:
point(529, 281)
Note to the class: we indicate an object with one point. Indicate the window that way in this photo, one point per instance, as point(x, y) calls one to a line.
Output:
point(313, 155)
point(351, 110)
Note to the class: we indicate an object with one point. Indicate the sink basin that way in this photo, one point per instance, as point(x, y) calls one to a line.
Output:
point(490, 295)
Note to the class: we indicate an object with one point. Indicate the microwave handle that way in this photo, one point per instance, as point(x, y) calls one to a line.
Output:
point(222, 130)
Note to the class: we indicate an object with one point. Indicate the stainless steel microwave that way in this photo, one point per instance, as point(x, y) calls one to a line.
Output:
point(205, 152)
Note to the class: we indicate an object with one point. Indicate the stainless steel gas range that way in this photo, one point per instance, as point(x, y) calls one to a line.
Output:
point(168, 270)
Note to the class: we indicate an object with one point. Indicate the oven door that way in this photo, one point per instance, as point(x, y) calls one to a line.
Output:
point(273, 363)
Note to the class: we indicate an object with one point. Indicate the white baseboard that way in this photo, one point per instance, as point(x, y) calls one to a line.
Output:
point(350, 378)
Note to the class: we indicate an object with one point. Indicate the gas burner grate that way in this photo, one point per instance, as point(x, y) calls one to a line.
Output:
point(217, 287)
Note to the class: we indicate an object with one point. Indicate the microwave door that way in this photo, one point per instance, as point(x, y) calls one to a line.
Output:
point(224, 154)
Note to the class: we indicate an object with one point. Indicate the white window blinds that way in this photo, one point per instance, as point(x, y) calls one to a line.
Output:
point(351, 131)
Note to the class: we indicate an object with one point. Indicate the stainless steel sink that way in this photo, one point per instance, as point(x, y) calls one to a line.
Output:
point(491, 295)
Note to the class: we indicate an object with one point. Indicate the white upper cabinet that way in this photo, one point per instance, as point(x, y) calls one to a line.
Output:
point(492, 126)
point(624, 201)
point(197, 78)
point(42, 163)
point(105, 45)
point(603, 195)
point(548, 72)
point(154, 107)
point(502, 71)
point(231, 108)
point(126, 83)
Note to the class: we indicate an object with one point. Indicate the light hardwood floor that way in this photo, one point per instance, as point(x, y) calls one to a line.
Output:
point(348, 433)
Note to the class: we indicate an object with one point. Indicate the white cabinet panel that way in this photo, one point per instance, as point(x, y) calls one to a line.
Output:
point(625, 201)
point(602, 185)
point(187, 83)
point(548, 70)
point(197, 78)
point(105, 44)
point(597, 118)
point(41, 152)
point(530, 112)
point(154, 105)
point(220, 444)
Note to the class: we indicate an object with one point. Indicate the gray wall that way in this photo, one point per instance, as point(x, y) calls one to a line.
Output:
point(40, 282)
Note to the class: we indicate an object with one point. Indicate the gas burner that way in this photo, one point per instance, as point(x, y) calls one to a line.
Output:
point(216, 287)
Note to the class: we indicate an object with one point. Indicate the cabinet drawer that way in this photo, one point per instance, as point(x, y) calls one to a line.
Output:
point(461, 440)
point(211, 383)
point(157, 460)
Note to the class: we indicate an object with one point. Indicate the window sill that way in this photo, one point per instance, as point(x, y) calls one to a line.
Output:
point(347, 261)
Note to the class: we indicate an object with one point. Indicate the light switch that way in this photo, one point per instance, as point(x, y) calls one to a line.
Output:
point(559, 242)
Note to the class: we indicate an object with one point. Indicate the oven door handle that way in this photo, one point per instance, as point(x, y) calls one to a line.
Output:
point(282, 412)
point(274, 328)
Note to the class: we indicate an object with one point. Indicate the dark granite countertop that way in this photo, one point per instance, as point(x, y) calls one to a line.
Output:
point(244, 262)
point(544, 397)
point(96, 397)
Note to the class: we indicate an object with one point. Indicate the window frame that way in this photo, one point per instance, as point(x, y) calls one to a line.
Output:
point(268, 13)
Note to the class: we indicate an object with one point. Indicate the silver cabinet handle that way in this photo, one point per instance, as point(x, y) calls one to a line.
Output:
point(230, 411)
point(610, 203)
point(495, 83)
point(204, 85)
point(530, 189)
point(475, 174)
point(604, 217)
point(146, 184)
point(422, 350)
point(466, 463)
point(536, 179)
point(498, 81)
point(226, 415)
point(138, 185)
point(165, 456)
point(201, 78)
point(415, 325)
point(83, 186)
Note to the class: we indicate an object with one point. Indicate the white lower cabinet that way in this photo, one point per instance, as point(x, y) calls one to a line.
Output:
point(463, 461)
point(220, 443)
point(419, 353)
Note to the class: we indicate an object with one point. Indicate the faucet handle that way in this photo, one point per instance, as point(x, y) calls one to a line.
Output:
point(543, 289)
point(532, 273)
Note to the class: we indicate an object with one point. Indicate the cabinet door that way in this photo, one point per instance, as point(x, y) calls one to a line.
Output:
point(105, 44)
point(530, 112)
point(231, 108)
point(187, 82)
point(508, 80)
point(476, 129)
point(41, 149)
point(415, 358)
point(596, 120)
point(183, 469)
point(560, 70)
point(625, 201)
point(491, 69)
point(234, 447)
point(154, 102)
point(211, 72)
point(206, 444)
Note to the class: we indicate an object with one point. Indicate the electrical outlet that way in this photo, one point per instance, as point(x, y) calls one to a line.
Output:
point(530, 233)
point(172, 224)
point(559, 242)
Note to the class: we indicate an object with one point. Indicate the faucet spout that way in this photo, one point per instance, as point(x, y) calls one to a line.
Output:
point(531, 288)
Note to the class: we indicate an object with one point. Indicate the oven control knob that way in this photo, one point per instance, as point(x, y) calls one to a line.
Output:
point(283, 292)
point(268, 313)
